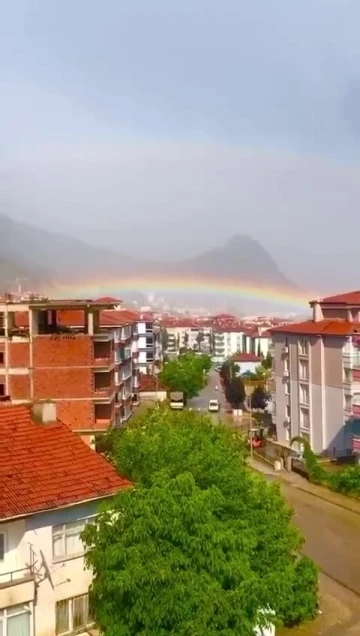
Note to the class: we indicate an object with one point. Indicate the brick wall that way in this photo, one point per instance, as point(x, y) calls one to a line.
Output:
point(19, 354)
point(62, 351)
point(62, 383)
point(19, 387)
point(77, 415)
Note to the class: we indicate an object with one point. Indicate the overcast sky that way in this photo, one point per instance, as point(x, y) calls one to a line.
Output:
point(165, 126)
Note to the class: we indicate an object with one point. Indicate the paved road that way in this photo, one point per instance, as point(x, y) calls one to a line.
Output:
point(209, 393)
point(332, 533)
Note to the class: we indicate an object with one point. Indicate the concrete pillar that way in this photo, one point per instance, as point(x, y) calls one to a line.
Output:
point(89, 326)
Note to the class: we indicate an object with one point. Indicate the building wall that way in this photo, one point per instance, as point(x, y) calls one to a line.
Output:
point(78, 414)
point(69, 578)
point(325, 387)
point(62, 351)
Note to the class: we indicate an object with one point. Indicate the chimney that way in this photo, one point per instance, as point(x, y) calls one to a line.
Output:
point(317, 311)
point(45, 411)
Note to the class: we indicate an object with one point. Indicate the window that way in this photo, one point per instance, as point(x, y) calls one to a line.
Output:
point(15, 621)
point(287, 388)
point(348, 376)
point(304, 369)
point(66, 539)
point(288, 411)
point(2, 390)
point(2, 356)
point(2, 549)
point(303, 347)
point(304, 419)
point(73, 614)
point(304, 394)
point(348, 402)
point(286, 366)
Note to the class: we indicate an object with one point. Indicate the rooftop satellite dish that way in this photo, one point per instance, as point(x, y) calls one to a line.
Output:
point(46, 568)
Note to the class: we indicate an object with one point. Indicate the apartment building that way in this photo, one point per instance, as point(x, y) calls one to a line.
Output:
point(149, 350)
point(52, 487)
point(40, 359)
point(316, 376)
point(227, 342)
point(121, 326)
point(187, 333)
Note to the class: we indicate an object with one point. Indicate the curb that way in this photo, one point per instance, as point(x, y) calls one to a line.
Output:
point(309, 492)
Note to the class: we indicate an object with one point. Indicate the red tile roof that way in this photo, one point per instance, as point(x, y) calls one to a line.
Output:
point(109, 299)
point(46, 466)
point(349, 298)
point(148, 383)
point(246, 357)
point(322, 327)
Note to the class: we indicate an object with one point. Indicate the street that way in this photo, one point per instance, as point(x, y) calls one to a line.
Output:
point(209, 393)
point(331, 540)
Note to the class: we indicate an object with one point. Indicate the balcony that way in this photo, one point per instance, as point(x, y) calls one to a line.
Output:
point(104, 393)
point(126, 375)
point(355, 410)
point(285, 350)
point(103, 336)
point(103, 364)
point(17, 586)
point(351, 360)
point(286, 373)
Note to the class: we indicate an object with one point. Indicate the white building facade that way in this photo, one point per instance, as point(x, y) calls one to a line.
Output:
point(43, 580)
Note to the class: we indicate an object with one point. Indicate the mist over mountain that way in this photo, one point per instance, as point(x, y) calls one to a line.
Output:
point(45, 257)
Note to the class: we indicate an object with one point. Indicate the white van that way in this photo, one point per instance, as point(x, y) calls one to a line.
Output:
point(214, 406)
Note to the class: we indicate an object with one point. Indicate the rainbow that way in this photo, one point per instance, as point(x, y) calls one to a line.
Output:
point(236, 288)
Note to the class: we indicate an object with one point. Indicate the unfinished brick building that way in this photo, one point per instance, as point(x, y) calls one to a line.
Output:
point(42, 360)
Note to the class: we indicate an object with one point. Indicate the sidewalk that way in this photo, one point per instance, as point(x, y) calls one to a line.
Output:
point(295, 480)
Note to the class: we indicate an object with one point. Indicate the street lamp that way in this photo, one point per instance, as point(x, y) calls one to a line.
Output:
point(156, 330)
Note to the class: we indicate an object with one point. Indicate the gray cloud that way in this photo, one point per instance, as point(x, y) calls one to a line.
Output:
point(163, 128)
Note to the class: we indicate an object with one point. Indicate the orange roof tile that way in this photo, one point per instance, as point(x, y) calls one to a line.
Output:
point(322, 327)
point(46, 466)
point(348, 298)
point(246, 357)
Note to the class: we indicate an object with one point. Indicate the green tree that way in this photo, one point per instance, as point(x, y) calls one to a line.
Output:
point(186, 339)
point(201, 544)
point(200, 339)
point(186, 374)
point(259, 398)
point(229, 370)
point(235, 392)
point(267, 361)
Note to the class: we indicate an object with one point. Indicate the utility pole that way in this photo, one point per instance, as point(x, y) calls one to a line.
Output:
point(251, 429)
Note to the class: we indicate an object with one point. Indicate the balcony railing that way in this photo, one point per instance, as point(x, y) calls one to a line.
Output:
point(127, 373)
point(351, 360)
point(104, 392)
point(355, 410)
point(19, 575)
point(103, 363)
point(103, 336)
point(16, 576)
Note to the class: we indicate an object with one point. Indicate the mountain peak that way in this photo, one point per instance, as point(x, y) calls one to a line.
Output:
point(240, 241)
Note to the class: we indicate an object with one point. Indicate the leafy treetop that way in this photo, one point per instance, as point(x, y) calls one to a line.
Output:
point(200, 544)
point(186, 373)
